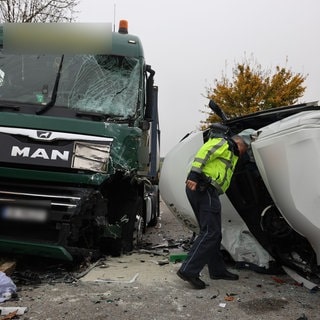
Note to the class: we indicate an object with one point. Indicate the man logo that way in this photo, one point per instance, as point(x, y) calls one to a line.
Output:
point(44, 134)
point(40, 153)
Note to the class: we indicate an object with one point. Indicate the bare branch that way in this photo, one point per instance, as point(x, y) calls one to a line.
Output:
point(37, 10)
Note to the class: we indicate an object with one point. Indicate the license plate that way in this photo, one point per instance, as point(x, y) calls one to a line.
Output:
point(25, 214)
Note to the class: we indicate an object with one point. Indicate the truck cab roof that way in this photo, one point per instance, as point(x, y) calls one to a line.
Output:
point(126, 45)
point(119, 42)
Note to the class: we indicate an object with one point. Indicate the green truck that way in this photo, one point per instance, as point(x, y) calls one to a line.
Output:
point(79, 160)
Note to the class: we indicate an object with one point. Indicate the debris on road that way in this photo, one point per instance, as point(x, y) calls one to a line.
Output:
point(7, 287)
point(10, 310)
point(215, 295)
point(99, 263)
point(160, 262)
point(125, 286)
point(7, 267)
point(152, 252)
point(228, 298)
point(178, 257)
point(118, 280)
point(308, 284)
point(278, 280)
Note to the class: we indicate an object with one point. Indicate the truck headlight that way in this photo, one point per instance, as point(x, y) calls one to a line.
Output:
point(91, 156)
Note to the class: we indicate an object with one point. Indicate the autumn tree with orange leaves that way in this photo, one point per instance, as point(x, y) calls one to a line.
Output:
point(253, 89)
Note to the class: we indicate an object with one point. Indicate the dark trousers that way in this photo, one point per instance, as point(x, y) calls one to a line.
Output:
point(206, 248)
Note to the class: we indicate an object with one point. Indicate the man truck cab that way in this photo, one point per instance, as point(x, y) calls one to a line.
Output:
point(80, 148)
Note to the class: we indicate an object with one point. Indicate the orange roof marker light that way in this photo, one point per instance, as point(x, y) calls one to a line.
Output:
point(123, 26)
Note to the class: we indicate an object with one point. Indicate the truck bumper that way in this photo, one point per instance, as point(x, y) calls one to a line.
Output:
point(36, 249)
point(50, 221)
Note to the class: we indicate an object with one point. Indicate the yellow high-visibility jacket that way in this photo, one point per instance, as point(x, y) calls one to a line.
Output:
point(217, 160)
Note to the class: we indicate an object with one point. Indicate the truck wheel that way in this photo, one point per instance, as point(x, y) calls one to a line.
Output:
point(155, 210)
point(132, 230)
point(139, 229)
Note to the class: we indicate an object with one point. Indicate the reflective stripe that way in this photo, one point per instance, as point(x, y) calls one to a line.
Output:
point(196, 169)
point(217, 186)
point(199, 160)
point(204, 160)
point(212, 151)
point(221, 166)
point(228, 164)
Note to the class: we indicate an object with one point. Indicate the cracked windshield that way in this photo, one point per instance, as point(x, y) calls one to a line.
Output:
point(89, 83)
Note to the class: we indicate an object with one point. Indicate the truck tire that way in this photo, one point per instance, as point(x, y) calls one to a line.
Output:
point(131, 232)
point(155, 210)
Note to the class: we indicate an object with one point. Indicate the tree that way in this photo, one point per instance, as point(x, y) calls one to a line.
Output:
point(253, 89)
point(37, 10)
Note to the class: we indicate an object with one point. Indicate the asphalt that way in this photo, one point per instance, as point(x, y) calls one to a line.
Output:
point(144, 285)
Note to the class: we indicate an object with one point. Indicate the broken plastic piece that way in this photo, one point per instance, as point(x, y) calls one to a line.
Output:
point(228, 298)
point(308, 284)
point(160, 262)
point(7, 310)
point(178, 257)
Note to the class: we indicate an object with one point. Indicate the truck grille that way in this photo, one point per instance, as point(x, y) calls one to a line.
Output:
point(60, 203)
point(43, 213)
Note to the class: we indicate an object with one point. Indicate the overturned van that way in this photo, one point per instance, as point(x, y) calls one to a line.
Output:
point(270, 213)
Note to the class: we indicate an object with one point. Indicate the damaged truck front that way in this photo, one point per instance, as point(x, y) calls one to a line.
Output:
point(79, 150)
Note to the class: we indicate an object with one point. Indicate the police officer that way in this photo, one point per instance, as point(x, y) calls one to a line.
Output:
point(210, 176)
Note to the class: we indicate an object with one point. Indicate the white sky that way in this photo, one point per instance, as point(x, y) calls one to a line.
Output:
point(191, 43)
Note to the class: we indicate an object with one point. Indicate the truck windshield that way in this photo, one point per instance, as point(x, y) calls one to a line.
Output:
point(104, 84)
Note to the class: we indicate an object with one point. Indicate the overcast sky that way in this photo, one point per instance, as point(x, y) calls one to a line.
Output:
point(191, 43)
